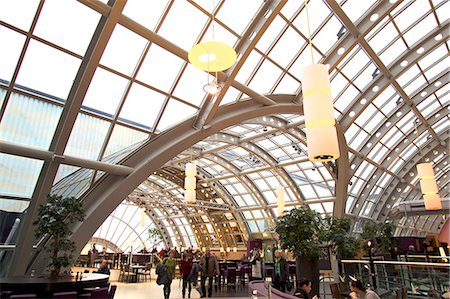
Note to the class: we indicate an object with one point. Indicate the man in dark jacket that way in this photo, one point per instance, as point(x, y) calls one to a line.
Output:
point(210, 268)
point(164, 278)
point(303, 289)
point(280, 272)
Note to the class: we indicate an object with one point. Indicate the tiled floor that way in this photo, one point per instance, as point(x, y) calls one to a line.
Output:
point(150, 290)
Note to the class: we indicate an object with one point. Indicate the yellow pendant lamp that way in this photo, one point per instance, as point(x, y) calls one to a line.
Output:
point(429, 187)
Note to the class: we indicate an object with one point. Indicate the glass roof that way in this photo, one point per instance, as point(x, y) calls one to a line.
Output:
point(97, 90)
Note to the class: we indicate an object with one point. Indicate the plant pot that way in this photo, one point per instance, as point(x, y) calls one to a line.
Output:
point(308, 269)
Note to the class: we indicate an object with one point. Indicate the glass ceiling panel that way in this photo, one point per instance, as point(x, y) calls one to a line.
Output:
point(174, 113)
point(19, 13)
point(55, 27)
point(142, 105)
point(265, 77)
point(159, 59)
point(236, 13)
point(48, 70)
point(283, 52)
point(123, 41)
point(12, 43)
point(146, 13)
point(183, 12)
point(105, 99)
point(19, 175)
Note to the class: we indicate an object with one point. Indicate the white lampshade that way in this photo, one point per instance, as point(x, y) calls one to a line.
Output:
point(425, 171)
point(428, 186)
point(228, 249)
point(322, 143)
point(432, 202)
point(321, 135)
point(234, 249)
point(280, 200)
point(190, 183)
point(190, 196)
point(190, 169)
point(142, 217)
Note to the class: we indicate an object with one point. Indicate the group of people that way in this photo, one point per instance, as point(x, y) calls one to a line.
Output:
point(208, 266)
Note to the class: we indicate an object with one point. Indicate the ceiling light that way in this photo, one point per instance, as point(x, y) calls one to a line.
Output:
point(321, 135)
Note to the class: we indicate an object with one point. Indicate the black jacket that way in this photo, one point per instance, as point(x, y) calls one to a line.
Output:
point(284, 270)
point(300, 293)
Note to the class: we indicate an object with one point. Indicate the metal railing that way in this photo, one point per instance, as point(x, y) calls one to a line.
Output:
point(420, 278)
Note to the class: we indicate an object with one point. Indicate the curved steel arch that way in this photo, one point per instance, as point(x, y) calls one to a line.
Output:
point(109, 191)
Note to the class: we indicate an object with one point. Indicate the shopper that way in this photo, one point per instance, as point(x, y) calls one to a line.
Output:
point(186, 274)
point(210, 268)
point(164, 278)
point(170, 263)
point(257, 265)
point(280, 272)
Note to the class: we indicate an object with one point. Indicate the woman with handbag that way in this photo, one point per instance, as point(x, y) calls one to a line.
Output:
point(257, 265)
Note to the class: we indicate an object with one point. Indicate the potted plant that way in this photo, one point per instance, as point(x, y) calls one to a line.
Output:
point(380, 234)
point(343, 244)
point(301, 232)
point(53, 223)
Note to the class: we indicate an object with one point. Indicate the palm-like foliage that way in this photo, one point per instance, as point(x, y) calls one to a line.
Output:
point(53, 222)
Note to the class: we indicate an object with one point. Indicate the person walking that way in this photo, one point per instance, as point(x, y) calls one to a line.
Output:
point(186, 274)
point(280, 272)
point(257, 265)
point(170, 263)
point(210, 268)
point(164, 278)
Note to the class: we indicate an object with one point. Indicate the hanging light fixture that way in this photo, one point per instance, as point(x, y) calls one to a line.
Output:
point(190, 183)
point(281, 193)
point(212, 56)
point(321, 135)
point(142, 217)
point(429, 187)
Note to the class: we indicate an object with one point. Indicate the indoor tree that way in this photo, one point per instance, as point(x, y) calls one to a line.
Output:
point(54, 219)
point(338, 233)
point(301, 231)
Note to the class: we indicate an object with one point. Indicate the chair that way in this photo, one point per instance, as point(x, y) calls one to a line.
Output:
point(335, 292)
point(86, 271)
point(343, 286)
point(146, 272)
point(100, 293)
point(230, 275)
point(125, 274)
point(65, 295)
point(112, 291)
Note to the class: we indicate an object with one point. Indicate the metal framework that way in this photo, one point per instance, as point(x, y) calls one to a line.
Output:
point(388, 68)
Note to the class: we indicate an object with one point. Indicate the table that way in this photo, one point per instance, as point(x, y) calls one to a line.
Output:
point(44, 287)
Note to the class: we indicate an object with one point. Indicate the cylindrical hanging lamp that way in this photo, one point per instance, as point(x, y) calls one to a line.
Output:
point(432, 202)
point(429, 187)
point(280, 200)
point(190, 183)
point(425, 171)
point(321, 135)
